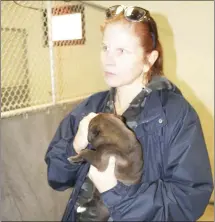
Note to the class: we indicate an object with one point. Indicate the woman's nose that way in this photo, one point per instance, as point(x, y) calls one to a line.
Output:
point(110, 58)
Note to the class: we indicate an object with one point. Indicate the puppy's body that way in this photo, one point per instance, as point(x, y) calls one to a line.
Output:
point(109, 136)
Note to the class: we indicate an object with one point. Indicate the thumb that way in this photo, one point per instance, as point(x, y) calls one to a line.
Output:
point(91, 116)
point(112, 160)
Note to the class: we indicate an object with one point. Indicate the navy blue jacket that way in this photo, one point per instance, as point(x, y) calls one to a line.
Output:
point(177, 179)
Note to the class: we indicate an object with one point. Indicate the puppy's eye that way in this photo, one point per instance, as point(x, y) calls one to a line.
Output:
point(96, 131)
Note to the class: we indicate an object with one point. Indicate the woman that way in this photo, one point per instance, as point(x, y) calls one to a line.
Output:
point(176, 180)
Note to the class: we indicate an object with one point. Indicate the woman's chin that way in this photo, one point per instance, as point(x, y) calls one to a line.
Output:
point(112, 82)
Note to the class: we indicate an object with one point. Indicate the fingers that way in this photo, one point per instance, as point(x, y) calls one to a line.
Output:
point(112, 161)
point(85, 121)
point(109, 169)
point(90, 116)
point(92, 171)
point(81, 141)
point(111, 164)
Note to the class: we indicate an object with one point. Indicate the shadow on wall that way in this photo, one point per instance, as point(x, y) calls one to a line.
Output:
point(170, 71)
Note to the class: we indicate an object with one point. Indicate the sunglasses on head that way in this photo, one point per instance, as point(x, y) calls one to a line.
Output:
point(134, 14)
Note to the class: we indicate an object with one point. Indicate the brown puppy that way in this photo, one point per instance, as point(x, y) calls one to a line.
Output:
point(109, 136)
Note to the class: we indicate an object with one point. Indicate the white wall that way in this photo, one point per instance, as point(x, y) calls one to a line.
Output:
point(78, 66)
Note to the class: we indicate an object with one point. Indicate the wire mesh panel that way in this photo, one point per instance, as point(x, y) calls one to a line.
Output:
point(25, 62)
point(15, 86)
point(41, 67)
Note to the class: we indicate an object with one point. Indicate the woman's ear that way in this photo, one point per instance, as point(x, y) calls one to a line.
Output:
point(150, 60)
point(153, 57)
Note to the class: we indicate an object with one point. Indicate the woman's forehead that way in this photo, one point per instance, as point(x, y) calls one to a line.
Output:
point(120, 33)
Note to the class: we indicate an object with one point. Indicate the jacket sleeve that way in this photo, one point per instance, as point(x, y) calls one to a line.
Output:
point(183, 193)
point(60, 172)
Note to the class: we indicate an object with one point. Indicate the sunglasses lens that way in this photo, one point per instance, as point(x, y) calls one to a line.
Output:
point(113, 11)
point(135, 14)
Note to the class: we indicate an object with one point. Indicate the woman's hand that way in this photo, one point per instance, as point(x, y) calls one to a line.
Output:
point(104, 180)
point(80, 141)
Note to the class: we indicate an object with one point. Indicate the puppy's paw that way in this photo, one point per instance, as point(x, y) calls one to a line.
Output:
point(75, 159)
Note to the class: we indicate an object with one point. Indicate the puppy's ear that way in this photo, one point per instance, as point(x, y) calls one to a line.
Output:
point(93, 133)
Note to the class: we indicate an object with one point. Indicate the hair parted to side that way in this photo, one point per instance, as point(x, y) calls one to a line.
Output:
point(142, 30)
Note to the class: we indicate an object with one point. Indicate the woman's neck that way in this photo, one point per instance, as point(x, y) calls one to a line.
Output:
point(125, 94)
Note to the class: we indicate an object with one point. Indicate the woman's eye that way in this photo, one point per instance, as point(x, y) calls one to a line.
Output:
point(104, 48)
point(121, 51)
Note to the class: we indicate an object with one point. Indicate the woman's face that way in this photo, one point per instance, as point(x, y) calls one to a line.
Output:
point(121, 55)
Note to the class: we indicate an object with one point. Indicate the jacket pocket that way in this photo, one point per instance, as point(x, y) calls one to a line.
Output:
point(151, 125)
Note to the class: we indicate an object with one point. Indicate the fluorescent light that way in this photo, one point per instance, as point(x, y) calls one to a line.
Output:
point(66, 27)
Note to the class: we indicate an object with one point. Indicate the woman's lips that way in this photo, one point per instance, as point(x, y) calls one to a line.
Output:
point(109, 74)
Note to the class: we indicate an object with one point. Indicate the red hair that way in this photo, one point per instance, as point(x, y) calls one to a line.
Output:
point(142, 30)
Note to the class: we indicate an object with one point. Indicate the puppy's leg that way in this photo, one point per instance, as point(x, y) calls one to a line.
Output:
point(75, 159)
point(86, 154)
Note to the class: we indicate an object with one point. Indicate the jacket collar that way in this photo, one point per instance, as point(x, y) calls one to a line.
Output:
point(157, 94)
